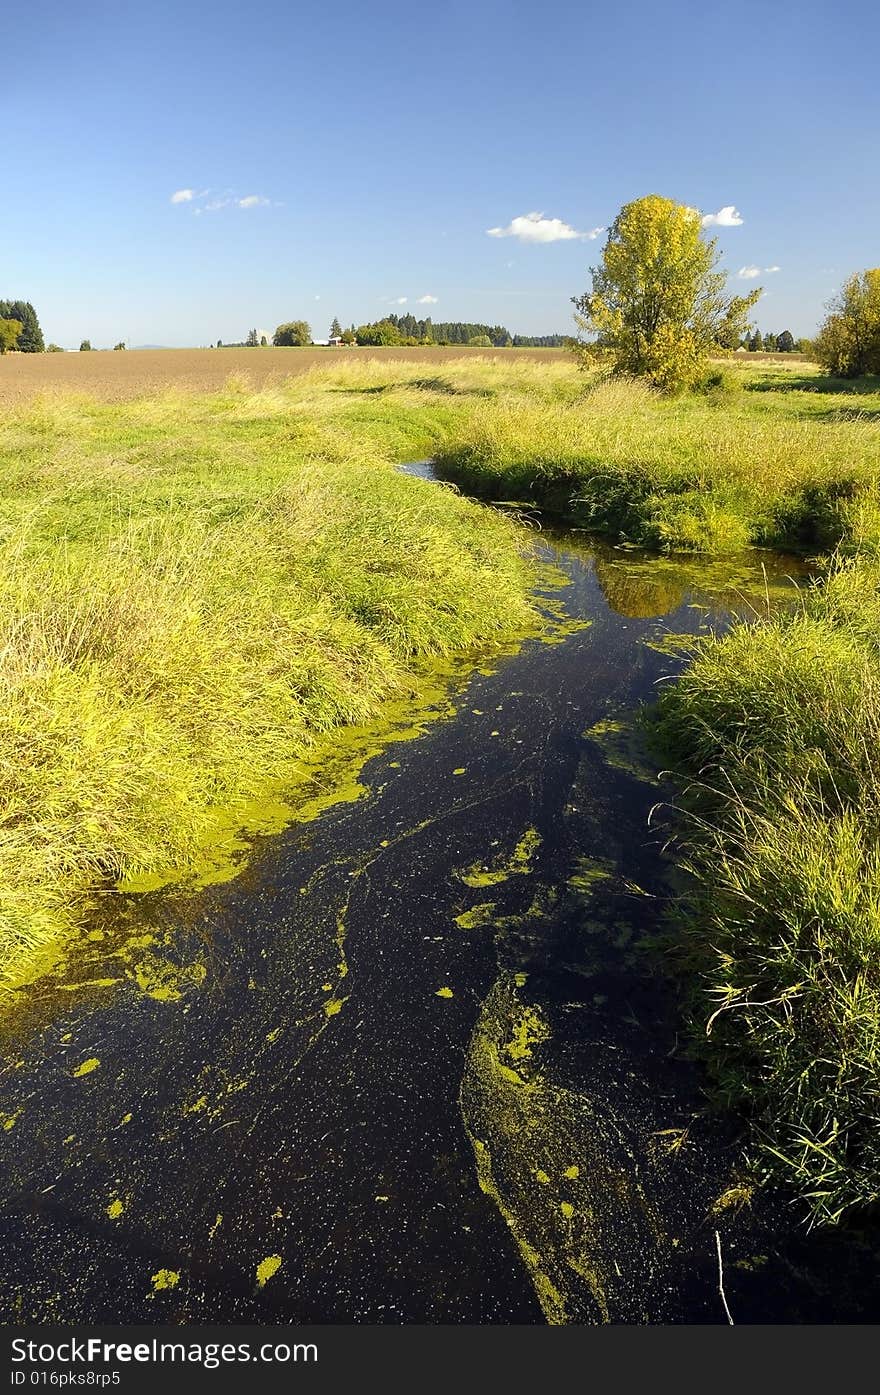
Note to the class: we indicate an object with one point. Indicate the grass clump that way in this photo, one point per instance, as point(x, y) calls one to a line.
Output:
point(710, 473)
point(191, 590)
point(777, 725)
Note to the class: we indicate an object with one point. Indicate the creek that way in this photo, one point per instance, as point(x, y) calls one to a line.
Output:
point(413, 1063)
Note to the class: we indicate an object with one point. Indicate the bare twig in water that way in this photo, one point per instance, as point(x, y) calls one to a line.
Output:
point(721, 1279)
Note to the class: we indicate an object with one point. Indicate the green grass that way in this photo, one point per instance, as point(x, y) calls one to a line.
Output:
point(773, 456)
point(192, 589)
point(777, 727)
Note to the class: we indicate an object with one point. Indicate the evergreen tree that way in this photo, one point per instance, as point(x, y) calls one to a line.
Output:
point(30, 340)
point(253, 340)
point(785, 342)
point(335, 329)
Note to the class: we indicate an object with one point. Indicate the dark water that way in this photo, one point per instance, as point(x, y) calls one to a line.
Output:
point(411, 1065)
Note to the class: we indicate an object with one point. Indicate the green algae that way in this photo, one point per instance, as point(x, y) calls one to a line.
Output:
point(587, 873)
point(477, 916)
point(444, 993)
point(115, 1209)
point(528, 1030)
point(165, 1278)
point(524, 1128)
point(267, 1269)
point(86, 1067)
point(166, 982)
point(623, 747)
point(519, 863)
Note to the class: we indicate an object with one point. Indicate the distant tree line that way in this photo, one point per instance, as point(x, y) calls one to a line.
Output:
point(769, 343)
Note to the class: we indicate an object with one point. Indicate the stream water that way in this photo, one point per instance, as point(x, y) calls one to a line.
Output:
point(412, 1063)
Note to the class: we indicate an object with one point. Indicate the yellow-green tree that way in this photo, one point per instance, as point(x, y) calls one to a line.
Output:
point(9, 332)
point(658, 305)
point(848, 344)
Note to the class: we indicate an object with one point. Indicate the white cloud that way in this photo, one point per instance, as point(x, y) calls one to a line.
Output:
point(748, 273)
point(400, 300)
point(727, 217)
point(534, 227)
point(427, 300)
point(217, 200)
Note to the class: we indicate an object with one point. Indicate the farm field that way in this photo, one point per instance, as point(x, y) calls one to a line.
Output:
point(115, 377)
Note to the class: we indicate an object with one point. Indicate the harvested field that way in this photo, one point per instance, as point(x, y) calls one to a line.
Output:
point(115, 377)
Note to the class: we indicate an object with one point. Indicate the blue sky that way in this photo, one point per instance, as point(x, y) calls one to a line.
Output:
point(380, 142)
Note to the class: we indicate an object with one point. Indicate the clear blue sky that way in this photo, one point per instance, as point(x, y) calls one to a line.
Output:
point(386, 139)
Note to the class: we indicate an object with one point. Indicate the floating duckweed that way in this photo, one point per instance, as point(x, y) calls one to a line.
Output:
point(115, 1209)
point(165, 1278)
point(476, 916)
point(519, 863)
point(333, 1005)
point(443, 993)
point(267, 1268)
point(166, 982)
point(572, 1173)
point(529, 1029)
point(461, 770)
point(86, 1067)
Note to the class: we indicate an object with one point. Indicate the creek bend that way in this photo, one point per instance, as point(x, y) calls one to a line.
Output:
point(411, 1064)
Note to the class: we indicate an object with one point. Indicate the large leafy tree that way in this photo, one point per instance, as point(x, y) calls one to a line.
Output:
point(848, 344)
point(658, 305)
point(9, 334)
point(30, 340)
point(294, 334)
point(383, 332)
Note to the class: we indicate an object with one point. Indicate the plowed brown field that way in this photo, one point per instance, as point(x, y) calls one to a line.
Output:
point(112, 377)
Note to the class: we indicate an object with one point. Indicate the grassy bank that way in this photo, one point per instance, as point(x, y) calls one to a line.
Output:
point(777, 724)
point(191, 589)
point(772, 455)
